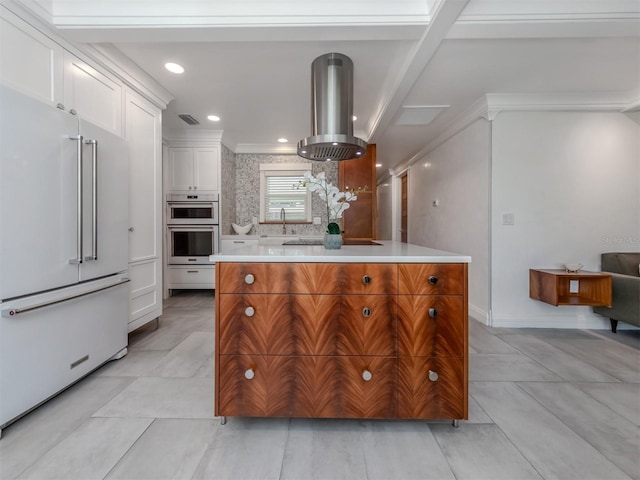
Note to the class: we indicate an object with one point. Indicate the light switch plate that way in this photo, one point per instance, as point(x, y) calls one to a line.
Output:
point(317, 220)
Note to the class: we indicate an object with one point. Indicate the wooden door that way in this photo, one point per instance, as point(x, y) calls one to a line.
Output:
point(404, 224)
point(358, 220)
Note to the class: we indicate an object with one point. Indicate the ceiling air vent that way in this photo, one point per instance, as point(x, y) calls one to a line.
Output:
point(188, 119)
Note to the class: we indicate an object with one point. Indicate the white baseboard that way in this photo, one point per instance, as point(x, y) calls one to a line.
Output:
point(591, 322)
point(479, 314)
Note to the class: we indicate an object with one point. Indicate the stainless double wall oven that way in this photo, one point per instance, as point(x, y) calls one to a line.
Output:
point(192, 228)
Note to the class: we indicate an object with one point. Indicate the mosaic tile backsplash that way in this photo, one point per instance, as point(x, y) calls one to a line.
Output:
point(243, 172)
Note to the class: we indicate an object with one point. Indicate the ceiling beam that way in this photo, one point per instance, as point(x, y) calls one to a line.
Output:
point(399, 84)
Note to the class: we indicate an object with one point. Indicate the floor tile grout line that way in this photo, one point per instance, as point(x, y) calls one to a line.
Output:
point(585, 440)
point(284, 450)
point(128, 449)
point(561, 351)
point(444, 455)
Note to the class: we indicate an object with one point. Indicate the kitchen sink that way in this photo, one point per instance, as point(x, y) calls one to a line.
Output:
point(304, 241)
point(318, 241)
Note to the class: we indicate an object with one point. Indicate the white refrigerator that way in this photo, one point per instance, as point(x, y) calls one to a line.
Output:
point(63, 251)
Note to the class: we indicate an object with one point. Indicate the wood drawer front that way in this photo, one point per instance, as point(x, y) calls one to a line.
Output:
point(279, 324)
point(420, 397)
point(267, 394)
point(382, 278)
point(431, 325)
point(367, 325)
point(318, 387)
point(417, 278)
point(279, 278)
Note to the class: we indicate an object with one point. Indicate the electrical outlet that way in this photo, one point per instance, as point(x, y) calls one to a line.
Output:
point(317, 220)
point(508, 219)
point(254, 220)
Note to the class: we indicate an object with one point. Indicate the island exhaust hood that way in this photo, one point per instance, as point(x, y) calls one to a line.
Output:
point(332, 111)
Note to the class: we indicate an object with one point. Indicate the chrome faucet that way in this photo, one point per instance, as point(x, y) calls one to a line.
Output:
point(283, 217)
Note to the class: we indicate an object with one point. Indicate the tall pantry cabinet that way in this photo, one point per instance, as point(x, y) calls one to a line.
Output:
point(144, 134)
point(48, 68)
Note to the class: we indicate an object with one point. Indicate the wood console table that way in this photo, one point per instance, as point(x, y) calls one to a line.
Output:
point(559, 287)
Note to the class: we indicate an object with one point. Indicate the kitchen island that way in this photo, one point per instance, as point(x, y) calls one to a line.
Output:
point(374, 331)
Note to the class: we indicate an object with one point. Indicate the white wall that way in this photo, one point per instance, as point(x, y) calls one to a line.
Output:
point(384, 217)
point(572, 181)
point(457, 175)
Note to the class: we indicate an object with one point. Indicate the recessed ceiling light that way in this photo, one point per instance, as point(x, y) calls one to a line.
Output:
point(283, 140)
point(354, 118)
point(378, 165)
point(213, 118)
point(174, 67)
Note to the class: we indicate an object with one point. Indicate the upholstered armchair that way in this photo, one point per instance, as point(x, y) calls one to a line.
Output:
point(625, 272)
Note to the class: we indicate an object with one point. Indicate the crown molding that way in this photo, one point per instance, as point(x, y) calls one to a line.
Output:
point(192, 138)
point(491, 105)
point(129, 73)
point(266, 148)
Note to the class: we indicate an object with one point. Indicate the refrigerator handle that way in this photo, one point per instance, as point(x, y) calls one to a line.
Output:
point(78, 259)
point(94, 201)
point(12, 312)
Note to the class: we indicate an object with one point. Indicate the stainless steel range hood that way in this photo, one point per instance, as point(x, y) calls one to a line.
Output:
point(332, 111)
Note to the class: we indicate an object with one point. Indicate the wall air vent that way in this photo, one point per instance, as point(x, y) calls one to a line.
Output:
point(188, 119)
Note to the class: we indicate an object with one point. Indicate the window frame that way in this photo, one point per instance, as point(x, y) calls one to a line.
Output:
point(283, 169)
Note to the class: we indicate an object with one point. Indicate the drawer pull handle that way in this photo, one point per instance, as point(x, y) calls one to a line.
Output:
point(249, 374)
point(366, 279)
point(367, 375)
point(249, 311)
point(433, 313)
point(366, 312)
point(433, 279)
point(433, 376)
point(192, 271)
point(249, 279)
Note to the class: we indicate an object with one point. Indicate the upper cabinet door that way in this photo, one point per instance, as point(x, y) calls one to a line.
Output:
point(180, 169)
point(206, 167)
point(92, 95)
point(30, 61)
point(193, 169)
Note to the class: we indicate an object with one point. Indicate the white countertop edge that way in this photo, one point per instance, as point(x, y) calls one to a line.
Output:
point(388, 252)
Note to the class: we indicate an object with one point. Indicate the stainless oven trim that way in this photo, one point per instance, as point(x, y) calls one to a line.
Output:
point(193, 221)
point(194, 260)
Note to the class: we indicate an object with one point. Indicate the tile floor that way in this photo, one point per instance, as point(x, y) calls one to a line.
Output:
point(552, 404)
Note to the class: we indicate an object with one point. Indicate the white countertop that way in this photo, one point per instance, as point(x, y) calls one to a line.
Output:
point(388, 252)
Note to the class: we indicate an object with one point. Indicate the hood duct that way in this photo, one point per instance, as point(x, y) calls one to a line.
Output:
point(332, 111)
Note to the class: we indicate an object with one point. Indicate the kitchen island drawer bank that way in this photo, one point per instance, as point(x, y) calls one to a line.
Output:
point(361, 332)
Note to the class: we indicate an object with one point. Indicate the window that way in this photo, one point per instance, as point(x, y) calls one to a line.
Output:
point(277, 191)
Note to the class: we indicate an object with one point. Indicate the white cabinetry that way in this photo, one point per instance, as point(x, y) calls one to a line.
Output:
point(30, 62)
point(194, 168)
point(180, 277)
point(229, 244)
point(92, 95)
point(35, 65)
point(144, 134)
point(37, 62)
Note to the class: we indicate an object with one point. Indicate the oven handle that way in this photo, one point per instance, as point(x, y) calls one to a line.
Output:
point(184, 228)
